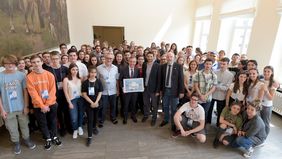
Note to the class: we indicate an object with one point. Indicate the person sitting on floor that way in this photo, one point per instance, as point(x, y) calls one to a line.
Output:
point(252, 134)
point(230, 122)
point(190, 119)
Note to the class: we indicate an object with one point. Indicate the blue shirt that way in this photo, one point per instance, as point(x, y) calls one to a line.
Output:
point(11, 91)
point(108, 76)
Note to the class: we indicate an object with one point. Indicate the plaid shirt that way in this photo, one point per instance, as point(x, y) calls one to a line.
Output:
point(205, 82)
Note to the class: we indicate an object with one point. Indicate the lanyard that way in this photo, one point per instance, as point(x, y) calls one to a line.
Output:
point(91, 82)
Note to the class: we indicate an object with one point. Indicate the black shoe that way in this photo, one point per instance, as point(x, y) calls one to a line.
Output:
point(163, 123)
point(153, 122)
point(114, 121)
point(47, 145)
point(215, 143)
point(134, 119)
point(124, 121)
point(144, 119)
point(95, 131)
point(100, 125)
point(57, 141)
point(88, 141)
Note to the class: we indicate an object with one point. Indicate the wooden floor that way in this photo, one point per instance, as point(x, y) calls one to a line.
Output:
point(140, 141)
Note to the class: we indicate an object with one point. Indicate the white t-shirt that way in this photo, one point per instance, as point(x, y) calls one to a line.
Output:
point(238, 95)
point(196, 114)
point(265, 101)
point(253, 92)
point(83, 72)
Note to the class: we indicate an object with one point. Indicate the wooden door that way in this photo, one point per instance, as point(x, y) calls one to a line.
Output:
point(114, 35)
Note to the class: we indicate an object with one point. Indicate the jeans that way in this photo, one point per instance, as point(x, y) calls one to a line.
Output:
point(266, 117)
point(47, 121)
point(242, 141)
point(12, 122)
point(107, 100)
point(76, 114)
point(206, 107)
point(169, 101)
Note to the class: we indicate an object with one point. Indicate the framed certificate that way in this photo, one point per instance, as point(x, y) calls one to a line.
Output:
point(133, 85)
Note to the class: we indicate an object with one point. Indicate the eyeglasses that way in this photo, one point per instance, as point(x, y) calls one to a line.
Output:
point(194, 99)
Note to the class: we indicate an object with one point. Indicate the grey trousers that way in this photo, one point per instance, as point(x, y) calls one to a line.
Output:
point(12, 122)
point(265, 114)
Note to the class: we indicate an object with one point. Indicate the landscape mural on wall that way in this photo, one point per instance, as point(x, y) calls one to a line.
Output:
point(30, 26)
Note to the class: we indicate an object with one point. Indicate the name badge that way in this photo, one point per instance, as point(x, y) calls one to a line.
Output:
point(75, 94)
point(91, 91)
point(44, 94)
point(13, 95)
point(189, 122)
point(60, 85)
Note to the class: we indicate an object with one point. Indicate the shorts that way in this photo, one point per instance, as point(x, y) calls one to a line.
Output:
point(230, 138)
point(194, 125)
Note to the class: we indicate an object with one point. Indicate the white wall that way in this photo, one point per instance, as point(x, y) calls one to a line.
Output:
point(145, 21)
point(265, 28)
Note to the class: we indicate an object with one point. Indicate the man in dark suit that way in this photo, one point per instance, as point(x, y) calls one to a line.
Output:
point(171, 87)
point(151, 83)
point(129, 71)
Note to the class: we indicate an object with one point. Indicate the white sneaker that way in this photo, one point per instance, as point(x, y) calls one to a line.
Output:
point(74, 135)
point(260, 145)
point(80, 131)
point(248, 153)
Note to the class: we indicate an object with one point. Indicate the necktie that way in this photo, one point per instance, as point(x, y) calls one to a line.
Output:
point(131, 73)
point(168, 75)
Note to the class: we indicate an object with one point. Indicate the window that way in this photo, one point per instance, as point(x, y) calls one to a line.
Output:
point(241, 36)
point(276, 56)
point(202, 29)
point(235, 34)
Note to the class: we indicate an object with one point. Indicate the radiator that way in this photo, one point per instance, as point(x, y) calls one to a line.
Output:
point(277, 103)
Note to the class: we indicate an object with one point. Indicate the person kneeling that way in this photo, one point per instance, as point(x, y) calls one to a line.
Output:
point(252, 134)
point(230, 122)
point(190, 119)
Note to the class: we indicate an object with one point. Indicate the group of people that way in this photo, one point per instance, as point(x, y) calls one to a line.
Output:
point(60, 91)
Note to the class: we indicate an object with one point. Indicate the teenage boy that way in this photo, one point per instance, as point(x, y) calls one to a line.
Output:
point(14, 102)
point(42, 88)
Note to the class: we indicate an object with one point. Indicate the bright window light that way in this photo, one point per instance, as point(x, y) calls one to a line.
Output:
point(202, 29)
point(234, 35)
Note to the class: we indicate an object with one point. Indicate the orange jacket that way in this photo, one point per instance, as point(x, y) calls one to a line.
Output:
point(38, 83)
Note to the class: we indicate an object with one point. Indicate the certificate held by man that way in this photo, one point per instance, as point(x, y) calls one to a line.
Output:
point(133, 85)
